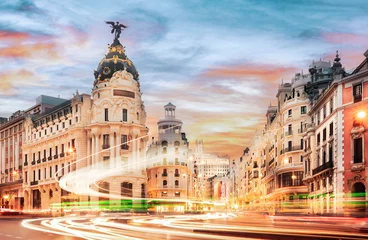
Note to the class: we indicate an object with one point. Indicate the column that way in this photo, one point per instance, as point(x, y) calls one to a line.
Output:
point(112, 150)
point(134, 160)
point(88, 159)
point(117, 150)
point(139, 159)
point(97, 149)
point(93, 150)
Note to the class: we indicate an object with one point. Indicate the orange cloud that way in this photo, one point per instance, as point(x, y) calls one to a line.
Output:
point(30, 50)
point(346, 38)
point(11, 80)
point(269, 73)
point(13, 36)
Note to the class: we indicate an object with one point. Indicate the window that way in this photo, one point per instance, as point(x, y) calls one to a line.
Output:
point(176, 172)
point(323, 156)
point(45, 176)
point(124, 142)
point(56, 150)
point(331, 105)
point(303, 109)
point(357, 93)
point(318, 138)
point(106, 114)
point(164, 173)
point(290, 112)
point(39, 174)
point(324, 111)
point(70, 122)
point(26, 176)
point(286, 180)
point(125, 115)
point(138, 116)
point(358, 150)
point(324, 134)
point(177, 183)
point(318, 117)
point(331, 129)
point(63, 124)
point(330, 153)
point(177, 194)
point(164, 182)
point(105, 141)
point(50, 172)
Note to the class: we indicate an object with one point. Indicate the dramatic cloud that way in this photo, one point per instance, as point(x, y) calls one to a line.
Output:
point(219, 63)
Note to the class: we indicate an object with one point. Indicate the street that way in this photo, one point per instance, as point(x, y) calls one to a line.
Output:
point(204, 226)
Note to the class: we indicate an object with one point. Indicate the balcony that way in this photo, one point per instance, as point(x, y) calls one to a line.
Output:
point(39, 161)
point(177, 175)
point(164, 174)
point(56, 156)
point(289, 133)
point(25, 163)
point(44, 159)
point(293, 148)
point(323, 167)
point(357, 98)
point(125, 147)
point(34, 183)
point(49, 158)
point(289, 166)
point(105, 146)
point(62, 154)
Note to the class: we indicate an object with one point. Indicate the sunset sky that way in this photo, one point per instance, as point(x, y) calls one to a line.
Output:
point(219, 62)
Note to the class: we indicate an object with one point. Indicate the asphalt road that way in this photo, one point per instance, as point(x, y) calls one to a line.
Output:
point(11, 229)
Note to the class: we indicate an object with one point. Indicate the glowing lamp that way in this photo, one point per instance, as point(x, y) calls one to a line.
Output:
point(361, 114)
point(70, 150)
point(293, 177)
point(15, 172)
point(286, 161)
point(6, 197)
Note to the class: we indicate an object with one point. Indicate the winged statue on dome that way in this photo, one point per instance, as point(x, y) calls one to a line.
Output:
point(116, 27)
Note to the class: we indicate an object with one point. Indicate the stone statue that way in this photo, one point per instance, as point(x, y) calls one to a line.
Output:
point(116, 27)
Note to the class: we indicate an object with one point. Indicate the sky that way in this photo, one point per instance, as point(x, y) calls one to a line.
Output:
point(219, 62)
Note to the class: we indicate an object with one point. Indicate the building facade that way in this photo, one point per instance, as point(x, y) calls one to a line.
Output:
point(168, 175)
point(106, 129)
point(12, 137)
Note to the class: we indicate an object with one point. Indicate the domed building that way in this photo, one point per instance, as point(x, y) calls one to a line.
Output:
point(90, 135)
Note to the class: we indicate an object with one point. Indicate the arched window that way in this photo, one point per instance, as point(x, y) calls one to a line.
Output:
point(176, 172)
point(164, 173)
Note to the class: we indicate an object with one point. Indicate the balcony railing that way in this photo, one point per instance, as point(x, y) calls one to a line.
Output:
point(293, 148)
point(125, 147)
point(56, 156)
point(289, 133)
point(49, 158)
point(62, 154)
point(105, 146)
point(34, 183)
point(177, 175)
point(44, 159)
point(164, 174)
point(357, 98)
point(25, 163)
point(39, 161)
point(322, 167)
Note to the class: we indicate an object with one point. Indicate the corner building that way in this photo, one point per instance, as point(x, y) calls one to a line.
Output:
point(107, 127)
point(168, 175)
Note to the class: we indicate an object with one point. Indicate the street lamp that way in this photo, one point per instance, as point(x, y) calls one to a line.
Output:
point(361, 114)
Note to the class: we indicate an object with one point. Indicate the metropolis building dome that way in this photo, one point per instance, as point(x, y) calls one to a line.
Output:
point(115, 60)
